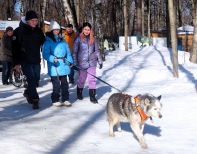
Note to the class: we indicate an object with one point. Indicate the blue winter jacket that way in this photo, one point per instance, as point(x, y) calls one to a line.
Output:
point(58, 49)
point(86, 55)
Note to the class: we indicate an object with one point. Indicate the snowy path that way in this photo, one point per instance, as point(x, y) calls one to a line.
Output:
point(83, 129)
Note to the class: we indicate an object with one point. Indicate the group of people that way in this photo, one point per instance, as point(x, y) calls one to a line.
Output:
point(64, 53)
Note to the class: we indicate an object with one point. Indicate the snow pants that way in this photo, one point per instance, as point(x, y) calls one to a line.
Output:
point(91, 79)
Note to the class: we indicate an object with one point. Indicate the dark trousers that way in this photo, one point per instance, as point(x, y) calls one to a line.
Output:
point(32, 72)
point(71, 75)
point(6, 72)
point(59, 86)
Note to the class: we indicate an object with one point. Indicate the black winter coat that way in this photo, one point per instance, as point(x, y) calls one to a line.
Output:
point(6, 48)
point(27, 42)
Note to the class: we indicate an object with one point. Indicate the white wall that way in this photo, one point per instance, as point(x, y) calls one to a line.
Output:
point(132, 43)
point(160, 41)
point(5, 24)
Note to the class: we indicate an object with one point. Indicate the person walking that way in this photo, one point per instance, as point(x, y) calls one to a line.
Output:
point(6, 55)
point(57, 54)
point(86, 55)
point(27, 42)
point(69, 37)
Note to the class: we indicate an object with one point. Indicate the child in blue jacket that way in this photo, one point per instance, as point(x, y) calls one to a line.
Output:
point(57, 54)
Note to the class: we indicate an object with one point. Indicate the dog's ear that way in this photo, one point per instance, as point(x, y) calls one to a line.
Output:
point(147, 102)
point(159, 97)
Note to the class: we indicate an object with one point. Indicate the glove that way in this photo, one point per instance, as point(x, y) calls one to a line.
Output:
point(101, 65)
point(75, 68)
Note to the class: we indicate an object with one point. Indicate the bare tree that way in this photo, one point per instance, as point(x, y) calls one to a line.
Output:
point(8, 9)
point(168, 25)
point(173, 32)
point(148, 6)
point(108, 13)
point(158, 14)
point(22, 9)
point(125, 25)
point(142, 17)
point(138, 16)
point(193, 54)
point(77, 10)
point(179, 11)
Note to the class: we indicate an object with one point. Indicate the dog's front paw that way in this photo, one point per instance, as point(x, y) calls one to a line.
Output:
point(144, 145)
point(111, 134)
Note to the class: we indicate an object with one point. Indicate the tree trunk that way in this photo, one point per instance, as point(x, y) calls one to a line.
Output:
point(77, 11)
point(142, 17)
point(69, 16)
point(92, 11)
point(44, 4)
point(43, 10)
point(193, 10)
point(193, 54)
point(8, 9)
point(125, 25)
point(149, 35)
point(138, 21)
point(180, 3)
point(158, 17)
point(99, 13)
point(173, 32)
point(22, 12)
point(168, 26)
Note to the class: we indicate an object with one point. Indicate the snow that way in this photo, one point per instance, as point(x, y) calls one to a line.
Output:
point(180, 33)
point(186, 28)
point(83, 128)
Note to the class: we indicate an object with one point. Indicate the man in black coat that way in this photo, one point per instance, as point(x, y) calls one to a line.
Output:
point(27, 41)
point(6, 55)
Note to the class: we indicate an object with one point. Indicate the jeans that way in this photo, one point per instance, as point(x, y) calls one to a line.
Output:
point(32, 72)
point(6, 72)
point(71, 75)
point(59, 86)
point(91, 79)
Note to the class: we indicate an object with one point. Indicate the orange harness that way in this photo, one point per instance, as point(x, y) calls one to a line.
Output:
point(137, 105)
point(140, 111)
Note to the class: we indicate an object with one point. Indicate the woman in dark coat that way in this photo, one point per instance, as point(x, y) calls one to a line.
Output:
point(86, 55)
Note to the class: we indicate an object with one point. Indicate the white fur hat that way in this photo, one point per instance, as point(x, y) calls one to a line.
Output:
point(54, 25)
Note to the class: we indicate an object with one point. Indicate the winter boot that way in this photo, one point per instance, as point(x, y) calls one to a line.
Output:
point(79, 93)
point(35, 104)
point(92, 93)
point(28, 98)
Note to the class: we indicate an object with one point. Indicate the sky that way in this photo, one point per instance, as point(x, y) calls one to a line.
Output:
point(83, 128)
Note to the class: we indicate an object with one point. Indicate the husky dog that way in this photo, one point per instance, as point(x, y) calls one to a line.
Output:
point(124, 108)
